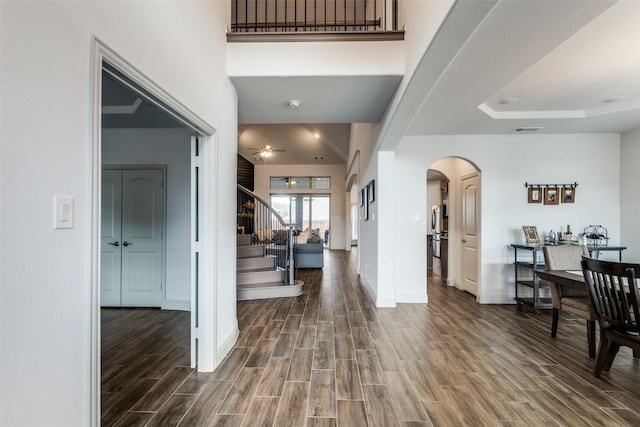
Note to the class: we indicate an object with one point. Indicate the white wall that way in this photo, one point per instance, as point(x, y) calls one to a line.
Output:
point(337, 192)
point(506, 163)
point(629, 200)
point(170, 147)
point(46, 141)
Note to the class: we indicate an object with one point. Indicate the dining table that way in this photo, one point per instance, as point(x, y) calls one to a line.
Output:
point(562, 277)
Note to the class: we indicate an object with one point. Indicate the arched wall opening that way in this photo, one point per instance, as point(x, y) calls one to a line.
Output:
point(453, 207)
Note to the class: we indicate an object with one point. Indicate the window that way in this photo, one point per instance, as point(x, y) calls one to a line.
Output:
point(321, 182)
point(301, 182)
point(279, 182)
point(305, 211)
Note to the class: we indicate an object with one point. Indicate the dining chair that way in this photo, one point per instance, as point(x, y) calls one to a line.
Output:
point(614, 295)
point(571, 299)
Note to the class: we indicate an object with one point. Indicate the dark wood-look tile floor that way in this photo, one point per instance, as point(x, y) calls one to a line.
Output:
point(330, 358)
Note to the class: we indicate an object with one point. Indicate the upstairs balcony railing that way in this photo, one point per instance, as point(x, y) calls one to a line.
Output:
point(271, 16)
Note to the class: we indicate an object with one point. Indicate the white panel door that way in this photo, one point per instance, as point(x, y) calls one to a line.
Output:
point(132, 253)
point(110, 246)
point(142, 238)
point(470, 232)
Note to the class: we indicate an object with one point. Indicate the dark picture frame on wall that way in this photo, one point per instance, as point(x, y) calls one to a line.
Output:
point(551, 195)
point(568, 194)
point(535, 195)
point(365, 205)
point(361, 197)
point(372, 190)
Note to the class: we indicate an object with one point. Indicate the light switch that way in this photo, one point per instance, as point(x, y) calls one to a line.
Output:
point(63, 212)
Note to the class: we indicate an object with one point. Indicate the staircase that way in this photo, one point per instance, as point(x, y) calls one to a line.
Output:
point(260, 271)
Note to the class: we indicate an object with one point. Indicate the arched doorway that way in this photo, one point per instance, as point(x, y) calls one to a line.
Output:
point(453, 204)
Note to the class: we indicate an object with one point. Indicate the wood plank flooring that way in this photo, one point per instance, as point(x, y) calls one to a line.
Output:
point(330, 358)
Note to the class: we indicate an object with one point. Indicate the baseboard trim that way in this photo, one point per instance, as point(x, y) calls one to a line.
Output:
point(177, 304)
point(227, 345)
point(417, 298)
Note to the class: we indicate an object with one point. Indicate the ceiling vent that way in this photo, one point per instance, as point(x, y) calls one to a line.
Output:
point(530, 129)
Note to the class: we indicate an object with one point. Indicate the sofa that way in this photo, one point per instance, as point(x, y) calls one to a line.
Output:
point(311, 253)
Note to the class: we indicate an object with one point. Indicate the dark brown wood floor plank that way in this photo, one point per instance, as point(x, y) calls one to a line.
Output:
point(173, 411)
point(324, 355)
point(134, 419)
point(159, 394)
point(352, 413)
point(285, 345)
point(292, 410)
point(204, 408)
point(465, 363)
point(301, 364)
point(239, 397)
point(380, 406)
point(348, 384)
point(273, 377)
point(262, 412)
point(261, 353)
point(322, 394)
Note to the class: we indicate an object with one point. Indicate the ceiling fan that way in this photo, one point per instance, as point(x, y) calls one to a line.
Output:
point(266, 151)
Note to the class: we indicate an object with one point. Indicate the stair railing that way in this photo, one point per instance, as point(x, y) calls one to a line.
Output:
point(317, 15)
point(267, 228)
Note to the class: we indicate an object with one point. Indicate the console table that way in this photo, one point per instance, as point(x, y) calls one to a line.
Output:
point(532, 290)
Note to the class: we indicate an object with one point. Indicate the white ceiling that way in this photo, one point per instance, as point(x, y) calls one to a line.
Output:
point(493, 67)
point(552, 64)
point(304, 144)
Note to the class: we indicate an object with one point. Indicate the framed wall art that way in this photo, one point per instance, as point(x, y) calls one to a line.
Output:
point(372, 190)
point(535, 195)
point(551, 195)
point(568, 194)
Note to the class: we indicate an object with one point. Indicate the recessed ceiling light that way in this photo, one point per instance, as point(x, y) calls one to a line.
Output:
point(613, 99)
point(317, 135)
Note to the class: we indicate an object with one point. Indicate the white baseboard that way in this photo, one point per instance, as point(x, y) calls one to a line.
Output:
point(177, 304)
point(227, 345)
point(418, 298)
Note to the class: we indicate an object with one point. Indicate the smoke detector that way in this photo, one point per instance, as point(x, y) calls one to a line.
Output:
point(294, 104)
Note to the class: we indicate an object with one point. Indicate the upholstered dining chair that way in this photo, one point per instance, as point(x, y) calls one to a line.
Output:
point(571, 299)
point(614, 295)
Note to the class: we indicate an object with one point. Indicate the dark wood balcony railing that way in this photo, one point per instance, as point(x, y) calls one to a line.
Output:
point(269, 16)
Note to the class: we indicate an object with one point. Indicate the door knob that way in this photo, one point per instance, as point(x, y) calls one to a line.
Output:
point(126, 243)
point(115, 244)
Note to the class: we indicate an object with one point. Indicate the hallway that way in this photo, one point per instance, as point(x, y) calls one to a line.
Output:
point(330, 358)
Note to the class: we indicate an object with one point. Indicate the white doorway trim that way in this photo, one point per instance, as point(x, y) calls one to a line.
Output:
point(207, 356)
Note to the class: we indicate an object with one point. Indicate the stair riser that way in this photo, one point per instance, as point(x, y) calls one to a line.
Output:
point(244, 239)
point(259, 277)
point(255, 263)
point(250, 251)
point(267, 291)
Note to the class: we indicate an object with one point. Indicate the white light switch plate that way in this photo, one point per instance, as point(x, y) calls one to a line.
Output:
point(63, 212)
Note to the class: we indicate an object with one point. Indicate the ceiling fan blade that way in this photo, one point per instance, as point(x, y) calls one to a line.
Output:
point(282, 151)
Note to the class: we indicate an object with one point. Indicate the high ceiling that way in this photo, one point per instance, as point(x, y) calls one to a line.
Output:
point(492, 68)
point(304, 144)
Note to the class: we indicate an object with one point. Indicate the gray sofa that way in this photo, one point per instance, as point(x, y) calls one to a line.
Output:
point(309, 255)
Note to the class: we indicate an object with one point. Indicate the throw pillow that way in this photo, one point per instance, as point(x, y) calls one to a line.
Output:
point(315, 236)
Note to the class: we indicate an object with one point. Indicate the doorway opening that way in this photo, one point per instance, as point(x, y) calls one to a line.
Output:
point(124, 99)
point(453, 231)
